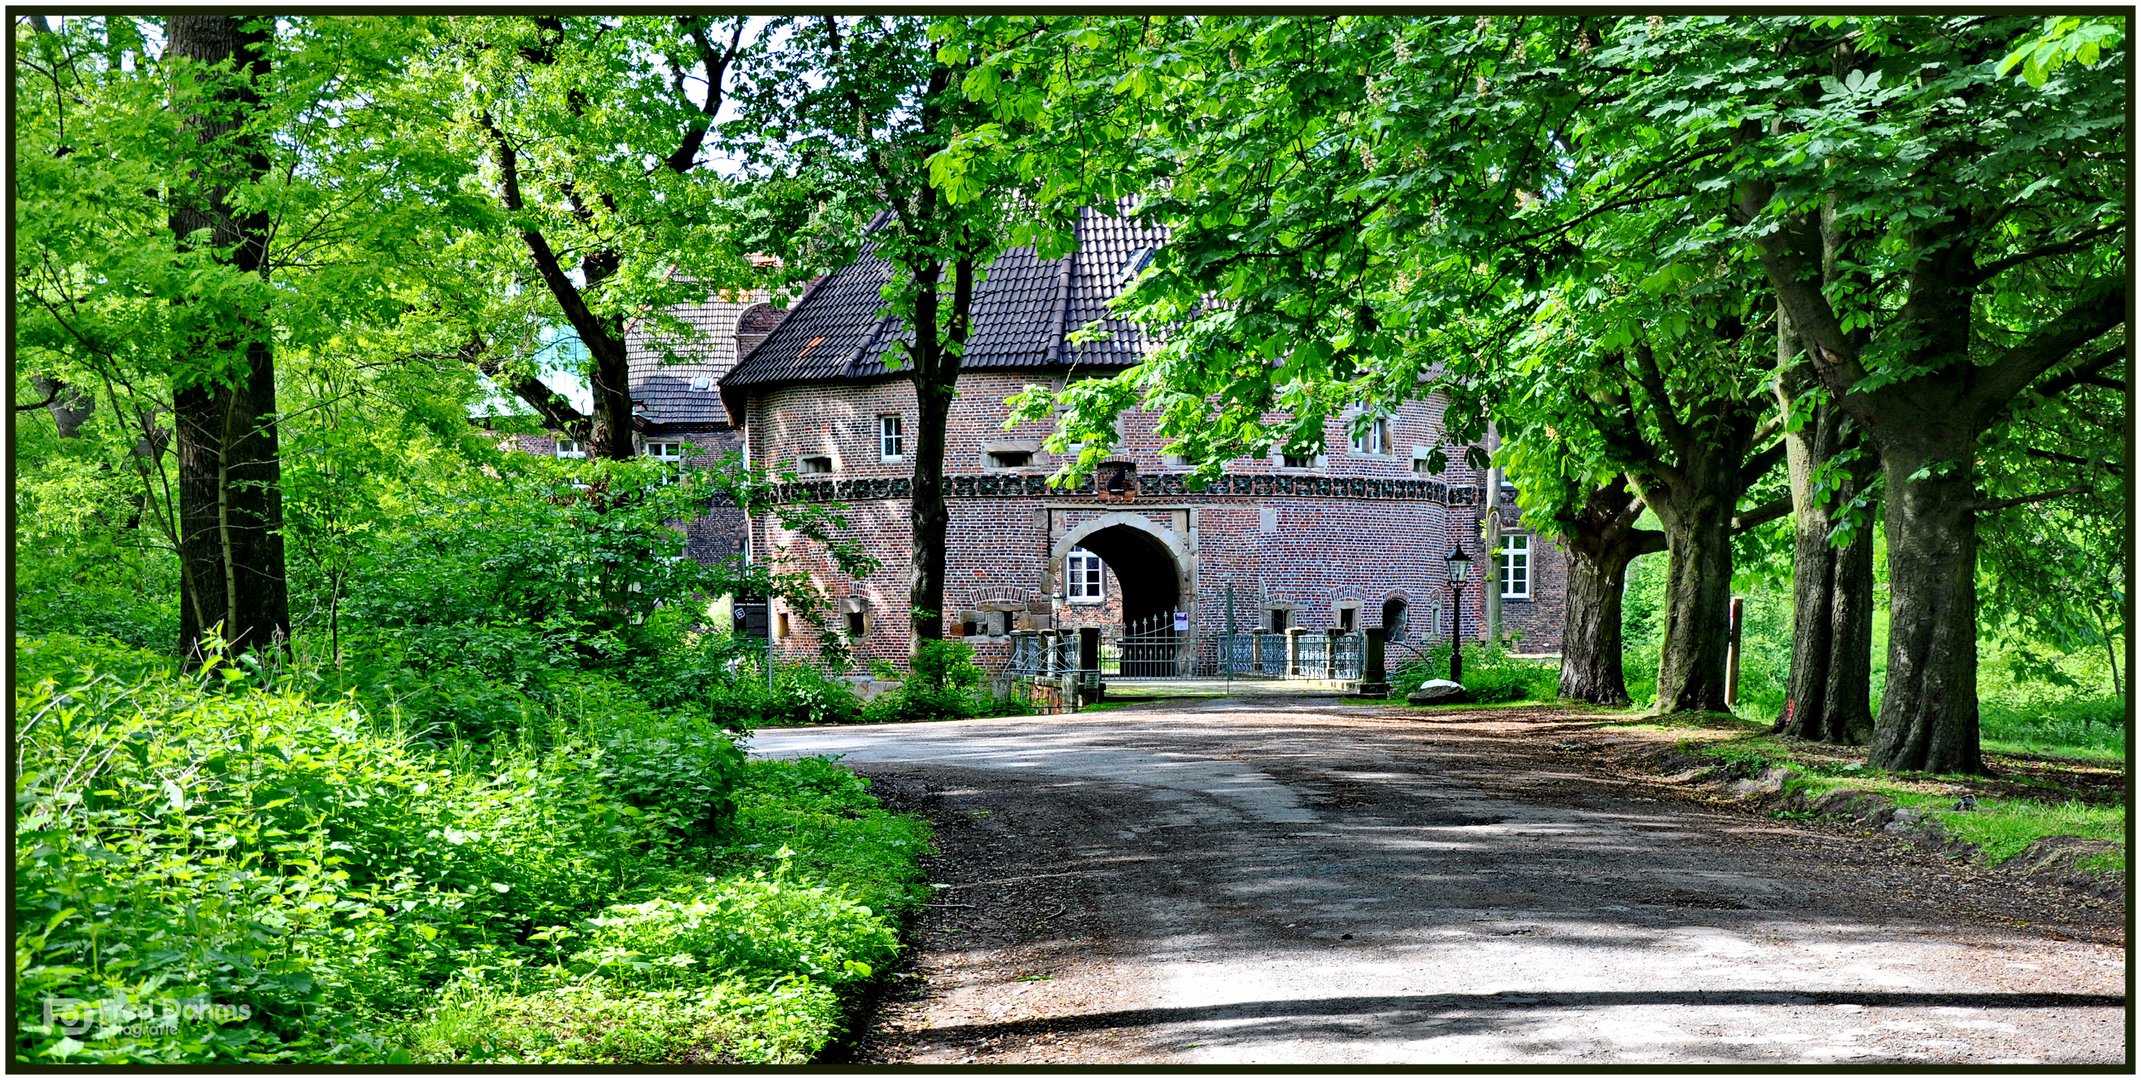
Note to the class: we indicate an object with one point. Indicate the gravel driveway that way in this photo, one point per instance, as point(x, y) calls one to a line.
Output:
point(1309, 881)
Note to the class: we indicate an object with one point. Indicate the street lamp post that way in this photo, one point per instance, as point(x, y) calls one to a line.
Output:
point(1460, 566)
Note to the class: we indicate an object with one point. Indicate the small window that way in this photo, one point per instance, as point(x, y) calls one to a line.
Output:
point(814, 464)
point(668, 453)
point(1300, 461)
point(781, 626)
point(1008, 459)
point(891, 445)
point(572, 448)
point(1082, 577)
point(1349, 618)
point(1423, 461)
point(1373, 440)
point(1281, 618)
point(702, 383)
point(1139, 260)
point(1516, 567)
point(857, 625)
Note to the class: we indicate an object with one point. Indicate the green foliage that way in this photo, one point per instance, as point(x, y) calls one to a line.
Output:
point(319, 875)
point(754, 965)
point(944, 683)
point(1490, 673)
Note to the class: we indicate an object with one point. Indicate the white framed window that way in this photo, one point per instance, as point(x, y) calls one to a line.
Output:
point(1082, 577)
point(1516, 567)
point(668, 453)
point(1373, 440)
point(814, 464)
point(891, 441)
point(572, 448)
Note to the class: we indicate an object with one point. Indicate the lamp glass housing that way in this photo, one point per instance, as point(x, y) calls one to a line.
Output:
point(1460, 565)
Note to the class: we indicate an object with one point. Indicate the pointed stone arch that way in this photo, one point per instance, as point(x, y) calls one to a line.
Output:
point(1151, 564)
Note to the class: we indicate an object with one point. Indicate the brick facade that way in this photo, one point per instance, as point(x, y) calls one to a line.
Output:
point(1356, 530)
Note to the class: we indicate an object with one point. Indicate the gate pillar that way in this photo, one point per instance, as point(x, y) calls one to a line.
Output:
point(1374, 681)
point(1293, 649)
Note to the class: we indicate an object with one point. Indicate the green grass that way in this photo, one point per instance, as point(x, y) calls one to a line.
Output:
point(2001, 827)
point(2086, 728)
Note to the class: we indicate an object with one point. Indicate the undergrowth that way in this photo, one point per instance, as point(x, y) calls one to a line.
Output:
point(211, 867)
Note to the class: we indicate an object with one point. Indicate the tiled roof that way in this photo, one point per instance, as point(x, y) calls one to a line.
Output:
point(687, 391)
point(1024, 309)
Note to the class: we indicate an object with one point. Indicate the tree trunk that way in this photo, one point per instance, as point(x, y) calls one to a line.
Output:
point(1591, 626)
point(230, 478)
point(1929, 716)
point(1828, 696)
point(70, 408)
point(1601, 540)
point(610, 380)
point(928, 517)
point(1698, 603)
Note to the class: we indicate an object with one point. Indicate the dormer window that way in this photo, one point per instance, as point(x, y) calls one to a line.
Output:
point(814, 464)
point(1139, 260)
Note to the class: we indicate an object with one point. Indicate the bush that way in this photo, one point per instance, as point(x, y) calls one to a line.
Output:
point(1491, 674)
point(757, 964)
point(943, 683)
point(197, 841)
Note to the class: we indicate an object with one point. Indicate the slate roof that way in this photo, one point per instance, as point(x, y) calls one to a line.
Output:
point(1024, 309)
point(704, 354)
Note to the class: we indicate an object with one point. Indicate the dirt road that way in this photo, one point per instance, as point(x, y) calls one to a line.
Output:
point(1311, 881)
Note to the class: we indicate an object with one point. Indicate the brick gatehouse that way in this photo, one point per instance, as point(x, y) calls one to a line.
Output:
point(1354, 537)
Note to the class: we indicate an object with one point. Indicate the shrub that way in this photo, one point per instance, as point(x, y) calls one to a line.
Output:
point(192, 840)
point(943, 683)
point(1491, 674)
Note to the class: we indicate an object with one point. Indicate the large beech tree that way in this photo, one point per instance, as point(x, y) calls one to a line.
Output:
point(1982, 218)
point(1338, 185)
point(593, 134)
point(845, 117)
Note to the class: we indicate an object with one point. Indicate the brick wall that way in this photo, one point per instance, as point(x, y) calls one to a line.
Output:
point(1308, 553)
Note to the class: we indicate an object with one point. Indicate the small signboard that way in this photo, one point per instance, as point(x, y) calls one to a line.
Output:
point(751, 616)
point(1181, 622)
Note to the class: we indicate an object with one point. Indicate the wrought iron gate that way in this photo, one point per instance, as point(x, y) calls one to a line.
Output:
point(1150, 647)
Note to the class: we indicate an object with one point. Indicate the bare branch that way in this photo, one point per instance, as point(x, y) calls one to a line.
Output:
point(2075, 243)
point(2025, 500)
point(1761, 515)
